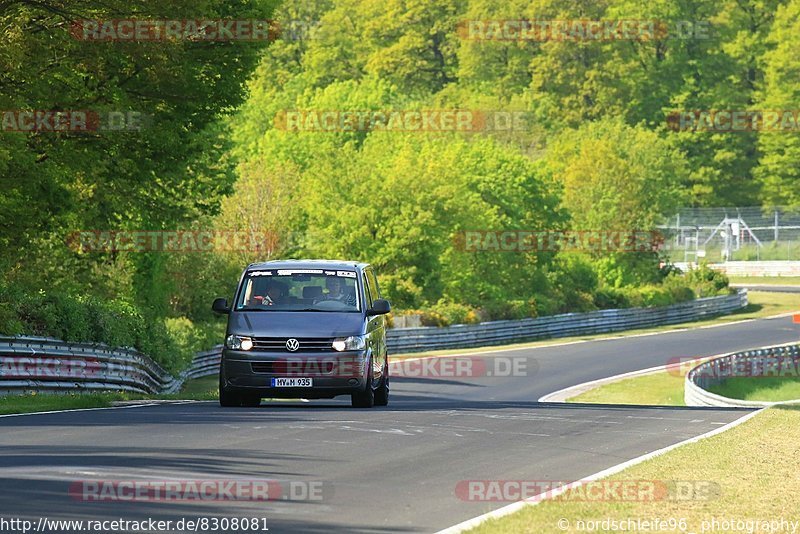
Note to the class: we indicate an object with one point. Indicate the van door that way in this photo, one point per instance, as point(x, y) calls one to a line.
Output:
point(378, 322)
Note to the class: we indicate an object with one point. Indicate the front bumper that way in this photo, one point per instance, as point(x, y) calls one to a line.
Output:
point(333, 373)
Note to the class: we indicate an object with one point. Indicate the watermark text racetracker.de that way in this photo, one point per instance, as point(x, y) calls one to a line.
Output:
point(508, 240)
point(437, 367)
point(735, 120)
point(399, 120)
point(32, 366)
point(762, 366)
point(26, 120)
point(464, 367)
point(154, 30)
point(617, 490)
point(561, 30)
point(172, 241)
point(199, 490)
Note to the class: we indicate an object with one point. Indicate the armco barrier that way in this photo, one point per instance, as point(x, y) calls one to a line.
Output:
point(500, 332)
point(50, 365)
point(756, 362)
point(44, 364)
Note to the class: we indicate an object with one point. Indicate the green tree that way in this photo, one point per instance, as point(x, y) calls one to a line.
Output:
point(618, 178)
point(777, 171)
point(162, 176)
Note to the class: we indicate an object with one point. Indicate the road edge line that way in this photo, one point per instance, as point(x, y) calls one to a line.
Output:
point(143, 405)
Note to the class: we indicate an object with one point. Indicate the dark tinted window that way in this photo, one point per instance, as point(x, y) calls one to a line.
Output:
point(367, 290)
point(373, 284)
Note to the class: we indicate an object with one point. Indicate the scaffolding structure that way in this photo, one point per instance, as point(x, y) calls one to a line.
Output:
point(728, 234)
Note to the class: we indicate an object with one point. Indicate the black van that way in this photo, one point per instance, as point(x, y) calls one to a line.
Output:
point(309, 329)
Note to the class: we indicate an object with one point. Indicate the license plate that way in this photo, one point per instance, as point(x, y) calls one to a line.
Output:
point(292, 382)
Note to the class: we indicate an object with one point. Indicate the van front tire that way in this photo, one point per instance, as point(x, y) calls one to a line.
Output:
point(227, 398)
point(382, 393)
point(366, 398)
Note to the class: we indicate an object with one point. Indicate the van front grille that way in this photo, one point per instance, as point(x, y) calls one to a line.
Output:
point(307, 344)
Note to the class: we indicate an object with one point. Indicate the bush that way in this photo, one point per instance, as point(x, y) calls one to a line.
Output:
point(508, 310)
point(192, 338)
point(74, 319)
point(545, 305)
point(455, 313)
point(706, 281)
point(628, 269)
point(606, 298)
point(400, 292)
point(677, 286)
point(573, 271)
point(115, 323)
point(654, 296)
point(427, 317)
point(431, 318)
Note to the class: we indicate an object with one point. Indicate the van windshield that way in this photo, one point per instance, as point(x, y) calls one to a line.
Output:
point(320, 290)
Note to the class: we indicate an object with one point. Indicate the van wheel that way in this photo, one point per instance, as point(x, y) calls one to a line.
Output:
point(227, 398)
point(366, 398)
point(382, 393)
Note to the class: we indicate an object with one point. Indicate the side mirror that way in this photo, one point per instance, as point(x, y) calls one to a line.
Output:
point(220, 306)
point(379, 307)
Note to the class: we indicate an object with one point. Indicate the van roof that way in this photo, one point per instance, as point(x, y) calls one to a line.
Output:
point(308, 264)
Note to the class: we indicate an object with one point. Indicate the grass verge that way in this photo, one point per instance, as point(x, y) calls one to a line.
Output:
point(205, 388)
point(662, 389)
point(199, 389)
point(770, 280)
point(747, 465)
point(767, 389)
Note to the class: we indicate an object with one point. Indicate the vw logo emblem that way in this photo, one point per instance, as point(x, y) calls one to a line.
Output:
point(292, 345)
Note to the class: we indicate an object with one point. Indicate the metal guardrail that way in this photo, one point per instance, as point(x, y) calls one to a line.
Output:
point(768, 361)
point(402, 340)
point(50, 365)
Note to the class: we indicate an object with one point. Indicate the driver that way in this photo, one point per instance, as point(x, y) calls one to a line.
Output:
point(273, 294)
point(337, 290)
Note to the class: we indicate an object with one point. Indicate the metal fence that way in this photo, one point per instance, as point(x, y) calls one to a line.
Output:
point(50, 365)
point(758, 362)
point(726, 234)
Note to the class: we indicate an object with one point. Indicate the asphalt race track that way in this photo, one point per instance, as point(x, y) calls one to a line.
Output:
point(391, 469)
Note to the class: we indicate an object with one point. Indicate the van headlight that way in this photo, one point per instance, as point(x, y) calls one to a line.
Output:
point(239, 343)
point(349, 343)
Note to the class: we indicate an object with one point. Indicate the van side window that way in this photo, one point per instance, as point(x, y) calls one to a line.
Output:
point(373, 284)
point(367, 292)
